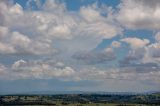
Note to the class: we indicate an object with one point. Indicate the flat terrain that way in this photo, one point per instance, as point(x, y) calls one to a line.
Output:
point(81, 100)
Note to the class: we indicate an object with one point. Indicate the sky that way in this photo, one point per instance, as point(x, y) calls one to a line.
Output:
point(79, 45)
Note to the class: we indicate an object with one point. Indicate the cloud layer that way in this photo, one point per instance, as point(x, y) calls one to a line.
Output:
point(140, 14)
point(52, 42)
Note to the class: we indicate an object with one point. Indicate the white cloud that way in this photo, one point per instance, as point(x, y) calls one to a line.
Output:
point(2, 69)
point(106, 31)
point(5, 48)
point(93, 57)
point(54, 28)
point(16, 9)
point(157, 36)
point(22, 69)
point(20, 39)
point(3, 31)
point(117, 74)
point(90, 13)
point(19, 63)
point(115, 44)
point(97, 24)
point(136, 42)
point(60, 31)
point(18, 43)
point(54, 23)
point(51, 5)
point(140, 14)
point(152, 53)
point(38, 69)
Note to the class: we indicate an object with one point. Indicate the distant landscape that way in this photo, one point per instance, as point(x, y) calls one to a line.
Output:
point(82, 99)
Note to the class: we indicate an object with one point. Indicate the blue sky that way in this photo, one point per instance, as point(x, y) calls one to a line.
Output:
point(81, 45)
point(74, 5)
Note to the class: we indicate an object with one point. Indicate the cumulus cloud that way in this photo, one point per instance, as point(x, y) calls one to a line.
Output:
point(90, 13)
point(155, 50)
point(2, 69)
point(38, 32)
point(136, 42)
point(51, 5)
point(142, 61)
point(117, 74)
point(157, 36)
point(54, 22)
point(95, 57)
point(69, 39)
point(6, 49)
point(152, 53)
point(145, 14)
point(22, 69)
point(116, 44)
point(13, 42)
point(37, 69)
point(133, 56)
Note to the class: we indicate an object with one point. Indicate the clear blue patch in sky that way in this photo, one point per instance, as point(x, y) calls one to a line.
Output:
point(21, 2)
point(107, 42)
point(73, 5)
point(76, 4)
point(142, 34)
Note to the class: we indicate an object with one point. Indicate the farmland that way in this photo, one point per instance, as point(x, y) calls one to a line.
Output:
point(81, 100)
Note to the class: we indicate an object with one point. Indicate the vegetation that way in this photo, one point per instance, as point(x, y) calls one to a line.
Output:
point(82, 100)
